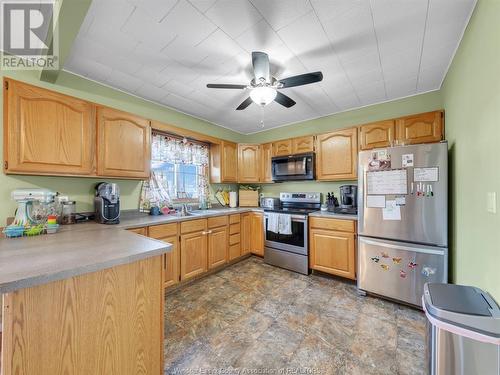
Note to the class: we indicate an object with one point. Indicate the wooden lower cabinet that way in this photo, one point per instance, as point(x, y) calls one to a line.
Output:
point(193, 254)
point(217, 247)
point(257, 233)
point(332, 247)
point(245, 232)
point(171, 262)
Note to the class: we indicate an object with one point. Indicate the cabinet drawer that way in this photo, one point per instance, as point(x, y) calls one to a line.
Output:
point(163, 230)
point(333, 224)
point(234, 239)
point(218, 221)
point(143, 231)
point(234, 228)
point(234, 251)
point(193, 226)
point(233, 219)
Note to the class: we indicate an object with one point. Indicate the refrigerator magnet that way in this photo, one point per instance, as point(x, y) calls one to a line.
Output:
point(412, 265)
point(402, 274)
point(400, 201)
point(426, 174)
point(375, 259)
point(407, 160)
point(385, 267)
point(396, 260)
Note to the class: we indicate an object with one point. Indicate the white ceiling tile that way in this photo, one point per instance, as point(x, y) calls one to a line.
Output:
point(401, 87)
point(259, 37)
point(89, 68)
point(328, 10)
point(113, 13)
point(178, 88)
point(157, 9)
point(233, 16)
point(151, 92)
point(372, 93)
point(143, 28)
point(123, 81)
point(181, 20)
point(430, 78)
point(280, 13)
point(298, 40)
point(203, 5)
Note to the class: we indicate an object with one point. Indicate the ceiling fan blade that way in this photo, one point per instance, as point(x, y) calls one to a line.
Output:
point(302, 79)
point(284, 100)
point(245, 104)
point(225, 86)
point(260, 62)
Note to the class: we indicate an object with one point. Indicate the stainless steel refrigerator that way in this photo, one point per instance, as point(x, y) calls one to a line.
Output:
point(403, 220)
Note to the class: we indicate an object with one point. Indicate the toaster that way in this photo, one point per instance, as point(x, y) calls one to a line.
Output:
point(270, 203)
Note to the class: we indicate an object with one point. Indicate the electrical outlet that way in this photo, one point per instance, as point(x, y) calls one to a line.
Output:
point(492, 202)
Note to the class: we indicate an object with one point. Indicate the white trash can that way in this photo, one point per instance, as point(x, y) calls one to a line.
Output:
point(463, 330)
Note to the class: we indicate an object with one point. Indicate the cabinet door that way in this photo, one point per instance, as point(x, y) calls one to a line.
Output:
point(377, 134)
point(229, 162)
point(217, 247)
point(266, 155)
point(171, 262)
point(46, 132)
point(302, 145)
point(333, 252)
point(143, 231)
point(245, 233)
point(257, 234)
point(193, 254)
point(123, 144)
point(422, 128)
point(248, 163)
point(283, 147)
point(337, 155)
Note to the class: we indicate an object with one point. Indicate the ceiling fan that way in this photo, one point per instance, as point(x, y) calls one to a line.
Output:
point(264, 88)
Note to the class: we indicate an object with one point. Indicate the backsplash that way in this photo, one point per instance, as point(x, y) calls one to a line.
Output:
point(273, 190)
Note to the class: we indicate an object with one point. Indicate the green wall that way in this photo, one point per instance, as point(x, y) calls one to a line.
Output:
point(79, 188)
point(471, 95)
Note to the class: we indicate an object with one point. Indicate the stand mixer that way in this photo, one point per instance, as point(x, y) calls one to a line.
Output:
point(34, 205)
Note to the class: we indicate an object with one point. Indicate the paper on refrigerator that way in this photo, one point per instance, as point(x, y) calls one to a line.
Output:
point(391, 211)
point(375, 201)
point(389, 182)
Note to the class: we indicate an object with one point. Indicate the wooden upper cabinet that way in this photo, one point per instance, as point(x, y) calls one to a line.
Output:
point(337, 155)
point(266, 155)
point(303, 145)
point(124, 144)
point(422, 128)
point(229, 161)
point(283, 147)
point(46, 132)
point(248, 163)
point(377, 134)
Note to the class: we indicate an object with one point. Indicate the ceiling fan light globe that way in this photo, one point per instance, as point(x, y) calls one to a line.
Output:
point(263, 95)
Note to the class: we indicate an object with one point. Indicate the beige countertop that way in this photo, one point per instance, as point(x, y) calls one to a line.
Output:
point(333, 215)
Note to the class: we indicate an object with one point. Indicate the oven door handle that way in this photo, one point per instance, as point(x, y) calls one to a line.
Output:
point(297, 218)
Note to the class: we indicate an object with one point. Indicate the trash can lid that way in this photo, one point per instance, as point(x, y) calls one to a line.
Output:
point(459, 298)
point(473, 311)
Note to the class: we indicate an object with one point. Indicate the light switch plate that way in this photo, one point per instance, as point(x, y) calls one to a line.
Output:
point(492, 202)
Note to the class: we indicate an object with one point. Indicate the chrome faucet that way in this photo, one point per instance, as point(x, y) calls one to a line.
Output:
point(184, 209)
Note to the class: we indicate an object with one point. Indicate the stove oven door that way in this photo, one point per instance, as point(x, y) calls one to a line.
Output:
point(295, 242)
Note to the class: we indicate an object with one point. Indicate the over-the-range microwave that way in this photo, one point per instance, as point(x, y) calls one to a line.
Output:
point(293, 167)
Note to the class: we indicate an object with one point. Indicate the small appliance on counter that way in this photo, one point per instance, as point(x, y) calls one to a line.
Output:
point(270, 203)
point(35, 208)
point(348, 200)
point(107, 203)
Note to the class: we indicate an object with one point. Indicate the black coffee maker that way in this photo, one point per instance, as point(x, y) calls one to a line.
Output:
point(107, 203)
point(348, 200)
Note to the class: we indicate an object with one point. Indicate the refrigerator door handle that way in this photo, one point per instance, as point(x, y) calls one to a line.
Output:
point(400, 247)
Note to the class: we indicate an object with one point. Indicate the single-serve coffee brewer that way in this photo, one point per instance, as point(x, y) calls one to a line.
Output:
point(107, 203)
point(348, 200)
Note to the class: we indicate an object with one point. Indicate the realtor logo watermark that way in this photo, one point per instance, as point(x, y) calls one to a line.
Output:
point(29, 39)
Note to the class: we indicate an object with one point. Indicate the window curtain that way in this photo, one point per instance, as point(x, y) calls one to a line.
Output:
point(165, 148)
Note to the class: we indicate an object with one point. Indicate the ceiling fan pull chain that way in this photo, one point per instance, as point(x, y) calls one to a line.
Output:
point(262, 116)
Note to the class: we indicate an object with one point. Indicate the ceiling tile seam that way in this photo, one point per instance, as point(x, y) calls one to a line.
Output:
point(378, 48)
point(422, 46)
point(343, 111)
point(152, 101)
point(170, 11)
point(128, 19)
point(282, 27)
point(206, 10)
point(466, 24)
point(333, 50)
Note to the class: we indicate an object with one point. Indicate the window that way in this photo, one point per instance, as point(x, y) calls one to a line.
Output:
point(179, 172)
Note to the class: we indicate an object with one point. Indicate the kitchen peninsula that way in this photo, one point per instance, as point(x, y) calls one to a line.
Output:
point(87, 300)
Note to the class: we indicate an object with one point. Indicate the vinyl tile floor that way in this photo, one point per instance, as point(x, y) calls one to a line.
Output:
point(255, 318)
